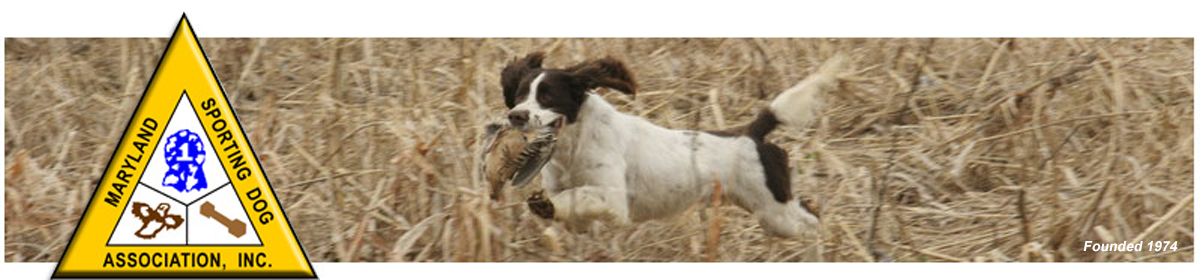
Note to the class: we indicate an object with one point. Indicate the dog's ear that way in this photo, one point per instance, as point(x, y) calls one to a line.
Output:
point(517, 69)
point(605, 72)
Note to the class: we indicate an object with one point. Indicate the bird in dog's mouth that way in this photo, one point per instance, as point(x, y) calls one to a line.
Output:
point(515, 156)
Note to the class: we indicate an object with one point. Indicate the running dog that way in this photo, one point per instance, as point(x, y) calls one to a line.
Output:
point(617, 167)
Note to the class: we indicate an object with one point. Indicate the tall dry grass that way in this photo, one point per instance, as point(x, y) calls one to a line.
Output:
point(934, 150)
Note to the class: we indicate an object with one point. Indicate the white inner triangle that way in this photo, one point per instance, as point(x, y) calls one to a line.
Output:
point(225, 223)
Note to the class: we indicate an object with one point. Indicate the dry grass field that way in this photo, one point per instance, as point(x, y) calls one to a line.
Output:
point(946, 150)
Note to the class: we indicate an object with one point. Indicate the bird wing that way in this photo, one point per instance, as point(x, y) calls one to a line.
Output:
point(141, 210)
point(533, 158)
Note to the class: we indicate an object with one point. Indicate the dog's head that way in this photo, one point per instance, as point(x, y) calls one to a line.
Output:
point(538, 97)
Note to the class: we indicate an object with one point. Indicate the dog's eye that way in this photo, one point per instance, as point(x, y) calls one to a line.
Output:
point(543, 98)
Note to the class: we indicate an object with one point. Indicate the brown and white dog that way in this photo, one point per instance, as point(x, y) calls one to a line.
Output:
point(621, 168)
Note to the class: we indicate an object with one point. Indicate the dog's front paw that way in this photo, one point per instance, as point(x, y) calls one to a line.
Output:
point(540, 205)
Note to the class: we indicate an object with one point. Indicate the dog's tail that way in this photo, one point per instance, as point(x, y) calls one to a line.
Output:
point(798, 105)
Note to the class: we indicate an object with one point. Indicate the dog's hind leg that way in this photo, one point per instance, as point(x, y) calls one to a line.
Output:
point(763, 187)
point(791, 219)
point(765, 191)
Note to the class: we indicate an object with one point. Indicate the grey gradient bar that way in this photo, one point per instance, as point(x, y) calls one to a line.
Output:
point(207, 24)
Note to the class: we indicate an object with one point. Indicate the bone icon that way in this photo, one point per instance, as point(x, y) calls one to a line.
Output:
point(236, 228)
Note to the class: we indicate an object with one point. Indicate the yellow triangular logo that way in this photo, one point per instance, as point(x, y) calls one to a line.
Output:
point(184, 195)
